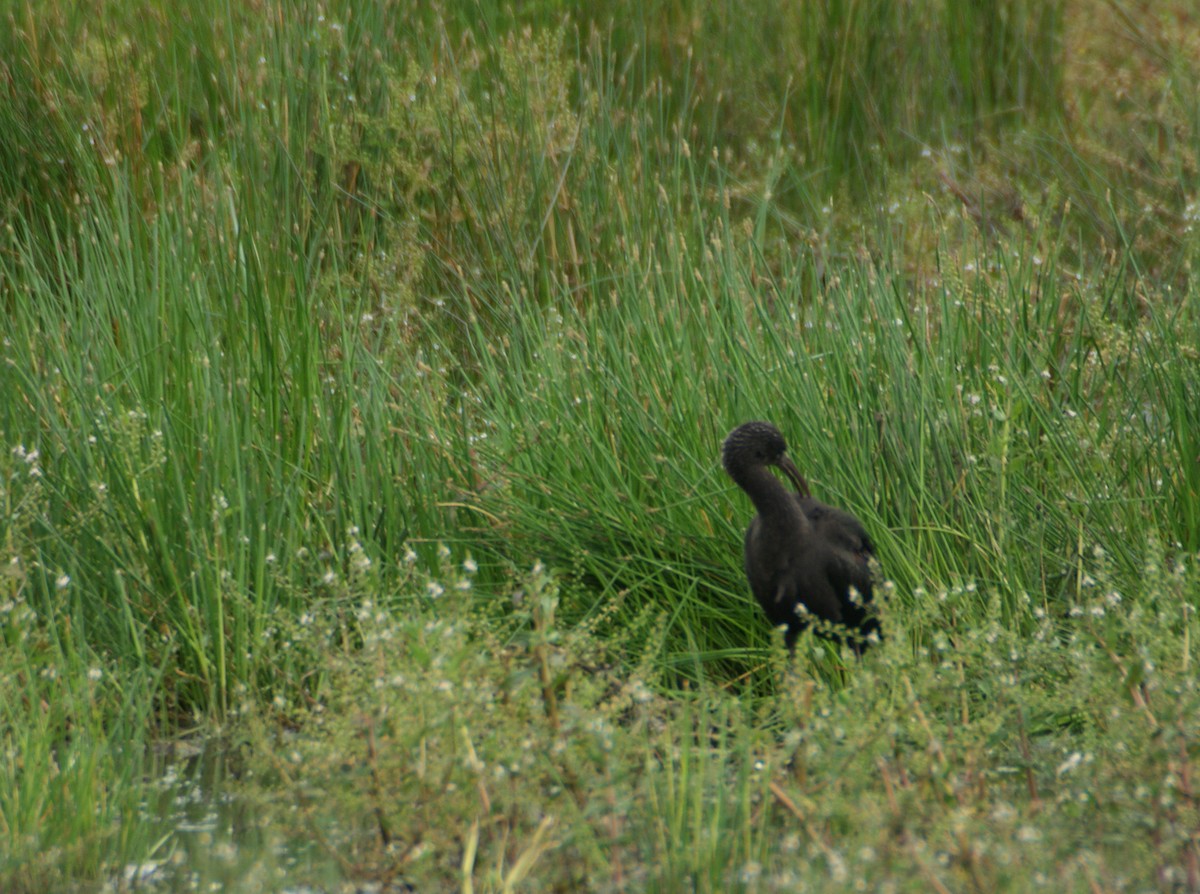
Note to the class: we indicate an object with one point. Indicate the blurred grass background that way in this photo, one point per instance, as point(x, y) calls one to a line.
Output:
point(292, 291)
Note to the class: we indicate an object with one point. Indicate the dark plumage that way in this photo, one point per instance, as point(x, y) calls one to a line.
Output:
point(799, 551)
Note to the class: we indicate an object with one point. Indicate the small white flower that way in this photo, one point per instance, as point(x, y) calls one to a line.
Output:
point(1074, 759)
point(750, 872)
point(64, 581)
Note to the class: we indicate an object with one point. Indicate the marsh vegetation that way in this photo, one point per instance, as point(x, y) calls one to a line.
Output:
point(363, 376)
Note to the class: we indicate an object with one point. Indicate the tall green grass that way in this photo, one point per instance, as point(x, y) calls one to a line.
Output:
point(293, 302)
point(985, 433)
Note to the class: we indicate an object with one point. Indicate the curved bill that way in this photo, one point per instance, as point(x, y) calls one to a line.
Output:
point(789, 469)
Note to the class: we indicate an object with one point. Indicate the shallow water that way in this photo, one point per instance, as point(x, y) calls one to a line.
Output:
point(210, 838)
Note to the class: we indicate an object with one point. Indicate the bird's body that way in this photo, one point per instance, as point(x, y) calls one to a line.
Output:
point(798, 550)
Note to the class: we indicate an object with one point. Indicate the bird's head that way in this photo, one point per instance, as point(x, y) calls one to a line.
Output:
point(759, 444)
point(753, 444)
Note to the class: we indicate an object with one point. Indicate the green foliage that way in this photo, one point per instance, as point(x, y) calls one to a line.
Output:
point(461, 168)
point(291, 297)
point(72, 732)
point(454, 753)
point(983, 434)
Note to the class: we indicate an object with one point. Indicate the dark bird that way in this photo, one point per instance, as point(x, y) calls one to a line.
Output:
point(799, 551)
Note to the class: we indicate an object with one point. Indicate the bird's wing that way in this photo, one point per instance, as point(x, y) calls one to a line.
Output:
point(852, 567)
point(815, 591)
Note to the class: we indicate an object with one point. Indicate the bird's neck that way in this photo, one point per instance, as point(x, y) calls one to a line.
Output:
point(774, 503)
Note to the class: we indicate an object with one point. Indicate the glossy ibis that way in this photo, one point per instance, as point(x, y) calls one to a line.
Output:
point(799, 551)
